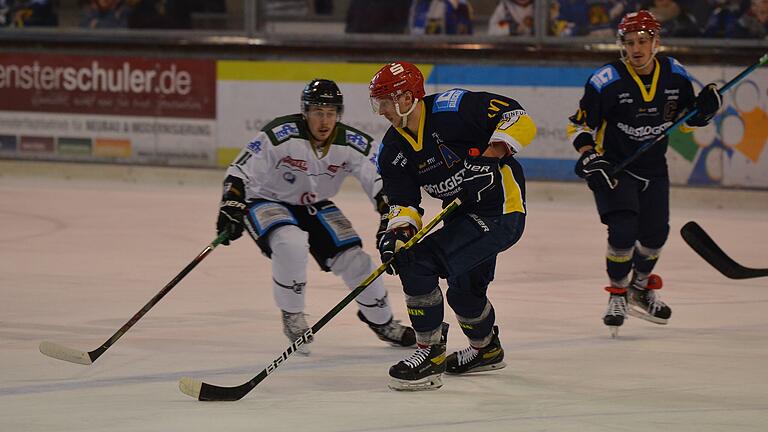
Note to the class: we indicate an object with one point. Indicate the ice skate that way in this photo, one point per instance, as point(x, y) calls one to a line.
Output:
point(391, 332)
point(645, 304)
point(472, 359)
point(616, 311)
point(423, 369)
point(294, 326)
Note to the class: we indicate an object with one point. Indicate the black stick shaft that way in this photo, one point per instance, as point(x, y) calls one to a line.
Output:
point(154, 300)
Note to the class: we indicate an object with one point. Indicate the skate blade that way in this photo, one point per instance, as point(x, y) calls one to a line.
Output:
point(433, 382)
point(484, 368)
point(614, 331)
point(646, 316)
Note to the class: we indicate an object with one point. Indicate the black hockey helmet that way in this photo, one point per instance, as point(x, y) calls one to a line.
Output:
point(322, 92)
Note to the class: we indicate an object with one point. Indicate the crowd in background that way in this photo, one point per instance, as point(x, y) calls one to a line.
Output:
point(680, 18)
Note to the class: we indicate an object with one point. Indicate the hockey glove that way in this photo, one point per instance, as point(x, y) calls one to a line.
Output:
point(595, 169)
point(479, 175)
point(390, 243)
point(231, 210)
point(707, 103)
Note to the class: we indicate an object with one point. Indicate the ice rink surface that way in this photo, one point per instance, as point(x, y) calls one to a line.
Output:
point(79, 256)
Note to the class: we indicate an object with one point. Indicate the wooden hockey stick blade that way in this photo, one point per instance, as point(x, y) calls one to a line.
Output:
point(702, 244)
point(63, 353)
point(210, 392)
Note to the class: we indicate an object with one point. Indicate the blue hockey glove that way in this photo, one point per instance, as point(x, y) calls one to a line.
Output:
point(707, 103)
point(390, 243)
point(479, 175)
point(595, 169)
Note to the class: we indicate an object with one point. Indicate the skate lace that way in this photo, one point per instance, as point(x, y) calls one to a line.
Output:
point(617, 306)
point(417, 358)
point(467, 355)
point(654, 304)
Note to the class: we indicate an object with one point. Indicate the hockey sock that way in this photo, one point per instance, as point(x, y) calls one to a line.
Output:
point(426, 314)
point(645, 259)
point(479, 329)
point(354, 265)
point(290, 254)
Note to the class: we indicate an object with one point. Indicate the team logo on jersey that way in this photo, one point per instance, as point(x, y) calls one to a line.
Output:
point(357, 141)
point(603, 77)
point(449, 156)
point(290, 162)
point(289, 177)
point(254, 146)
point(494, 106)
point(448, 101)
point(285, 131)
point(509, 118)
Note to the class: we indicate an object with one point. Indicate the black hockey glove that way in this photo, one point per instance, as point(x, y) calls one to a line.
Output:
point(595, 169)
point(231, 209)
point(383, 209)
point(390, 243)
point(707, 103)
point(479, 175)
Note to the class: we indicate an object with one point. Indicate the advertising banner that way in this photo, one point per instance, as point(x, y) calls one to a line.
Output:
point(103, 108)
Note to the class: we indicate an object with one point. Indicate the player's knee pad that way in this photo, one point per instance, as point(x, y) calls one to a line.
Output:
point(353, 266)
point(290, 254)
point(465, 303)
point(478, 329)
point(426, 314)
point(657, 238)
point(622, 229)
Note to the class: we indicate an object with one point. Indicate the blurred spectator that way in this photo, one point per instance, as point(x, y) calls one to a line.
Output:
point(28, 13)
point(512, 18)
point(161, 14)
point(723, 21)
point(441, 17)
point(675, 21)
point(754, 22)
point(557, 25)
point(593, 17)
point(378, 16)
point(105, 14)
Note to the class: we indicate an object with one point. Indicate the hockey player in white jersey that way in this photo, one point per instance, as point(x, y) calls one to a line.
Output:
point(279, 187)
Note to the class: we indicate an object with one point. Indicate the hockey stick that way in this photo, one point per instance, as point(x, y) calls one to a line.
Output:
point(650, 143)
point(702, 243)
point(210, 392)
point(75, 356)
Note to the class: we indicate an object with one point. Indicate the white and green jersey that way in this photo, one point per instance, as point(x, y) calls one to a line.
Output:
point(280, 164)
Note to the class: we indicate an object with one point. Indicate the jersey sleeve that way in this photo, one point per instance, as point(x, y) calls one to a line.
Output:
point(253, 161)
point(584, 126)
point(363, 168)
point(502, 117)
point(401, 190)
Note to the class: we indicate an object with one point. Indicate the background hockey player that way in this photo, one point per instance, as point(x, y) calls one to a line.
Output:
point(456, 143)
point(625, 104)
point(280, 186)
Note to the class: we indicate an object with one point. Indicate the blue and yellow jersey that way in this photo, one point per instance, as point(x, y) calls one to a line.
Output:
point(432, 158)
point(621, 110)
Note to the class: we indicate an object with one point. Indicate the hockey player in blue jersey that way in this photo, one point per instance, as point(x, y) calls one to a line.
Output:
point(452, 144)
point(625, 104)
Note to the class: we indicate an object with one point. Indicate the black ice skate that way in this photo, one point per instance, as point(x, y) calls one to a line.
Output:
point(391, 332)
point(471, 359)
point(294, 326)
point(617, 309)
point(423, 369)
point(644, 304)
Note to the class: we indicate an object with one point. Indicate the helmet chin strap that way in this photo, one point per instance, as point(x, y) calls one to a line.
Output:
point(404, 117)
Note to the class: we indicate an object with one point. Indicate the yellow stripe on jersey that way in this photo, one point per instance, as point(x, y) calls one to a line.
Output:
point(599, 138)
point(513, 195)
point(399, 215)
point(650, 94)
point(417, 145)
point(516, 128)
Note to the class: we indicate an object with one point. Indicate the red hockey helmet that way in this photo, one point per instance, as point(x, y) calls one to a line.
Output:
point(395, 79)
point(641, 20)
